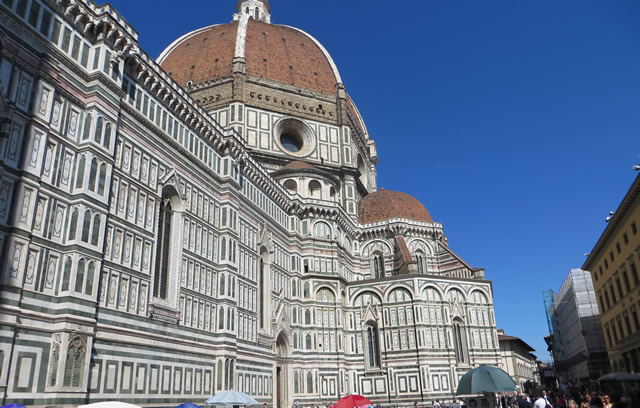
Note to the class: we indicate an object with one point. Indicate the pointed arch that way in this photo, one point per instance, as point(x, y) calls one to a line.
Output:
point(74, 364)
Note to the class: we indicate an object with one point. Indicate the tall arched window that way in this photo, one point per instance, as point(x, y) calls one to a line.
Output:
point(86, 226)
point(296, 388)
point(221, 319)
point(74, 365)
point(95, 230)
point(221, 284)
point(80, 276)
point(87, 126)
point(73, 224)
point(219, 384)
point(309, 382)
point(107, 135)
point(90, 276)
point(373, 349)
point(98, 134)
point(307, 316)
point(92, 174)
point(102, 175)
point(261, 293)
point(459, 342)
point(307, 344)
point(80, 173)
point(161, 276)
point(378, 265)
point(66, 276)
point(420, 260)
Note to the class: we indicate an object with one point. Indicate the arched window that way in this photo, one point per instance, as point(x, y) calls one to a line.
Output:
point(307, 316)
point(90, 276)
point(315, 189)
point(92, 174)
point(459, 342)
point(102, 178)
point(66, 276)
point(98, 133)
point(73, 224)
point(307, 344)
point(107, 135)
point(219, 374)
point(80, 277)
point(86, 226)
point(306, 290)
point(223, 250)
point(332, 193)
point(295, 340)
point(229, 319)
point(221, 285)
point(377, 264)
point(87, 126)
point(309, 382)
point(420, 260)
point(257, 13)
point(294, 288)
point(373, 350)
point(95, 230)
point(321, 230)
point(80, 173)
point(221, 318)
point(261, 293)
point(74, 365)
point(163, 244)
point(291, 186)
point(325, 295)
point(296, 387)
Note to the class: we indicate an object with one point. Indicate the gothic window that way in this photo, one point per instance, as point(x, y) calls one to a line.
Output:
point(221, 285)
point(293, 289)
point(80, 174)
point(107, 135)
point(306, 290)
point(80, 276)
point(73, 224)
point(377, 265)
point(219, 375)
point(221, 318)
point(295, 340)
point(95, 230)
point(66, 276)
point(296, 388)
point(86, 226)
point(373, 349)
point(455, 295)
point(307, 344)
point(98, 132)
point(93, 174)
point(87, 126)
point(459, 341)
point(309, 382)
point(53, 365)
point(161, 275)
point(307, 316)
point(223, 249)
point(73, 368)
point(257, 13)
point(420, 260)
point(400, 295)
point(102, 178)
point(90, 277)
point(261, 293)
point(367, 298)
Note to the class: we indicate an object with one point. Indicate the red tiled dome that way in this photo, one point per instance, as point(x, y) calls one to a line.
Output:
point(386, 204)
point(271, 51)
point(298, 164)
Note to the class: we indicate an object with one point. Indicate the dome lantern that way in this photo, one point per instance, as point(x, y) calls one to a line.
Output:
point(256, 9)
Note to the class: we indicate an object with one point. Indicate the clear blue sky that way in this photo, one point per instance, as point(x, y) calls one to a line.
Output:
point(516, 123)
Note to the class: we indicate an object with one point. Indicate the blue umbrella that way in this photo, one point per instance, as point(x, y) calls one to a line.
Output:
point(231, 398)
point(188, 405)
point(14, 405)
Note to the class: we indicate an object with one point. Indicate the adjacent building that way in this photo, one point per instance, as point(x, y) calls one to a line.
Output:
point(208, 221)
point(613, 263)
point(577, 342)
point(517, 359)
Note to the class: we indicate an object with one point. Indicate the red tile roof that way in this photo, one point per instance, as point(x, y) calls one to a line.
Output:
point(386, 204)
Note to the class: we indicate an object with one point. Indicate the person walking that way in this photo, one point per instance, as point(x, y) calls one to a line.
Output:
point(540, 401)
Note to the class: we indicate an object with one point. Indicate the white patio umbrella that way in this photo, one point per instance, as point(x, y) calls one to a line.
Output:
point(231, 398)
point(109, 404)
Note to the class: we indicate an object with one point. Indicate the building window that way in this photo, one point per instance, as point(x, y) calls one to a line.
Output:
point(459, 342)
point(373, 349)
point(261, 293)
point(161, 276)
point(634, 228)
point(422, 267)
point(378, 265)
point(73, 369)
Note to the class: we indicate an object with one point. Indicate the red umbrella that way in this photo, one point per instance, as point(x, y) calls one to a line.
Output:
point(351, 401)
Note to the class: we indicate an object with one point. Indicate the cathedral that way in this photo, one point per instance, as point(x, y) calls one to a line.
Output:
point(210, 220)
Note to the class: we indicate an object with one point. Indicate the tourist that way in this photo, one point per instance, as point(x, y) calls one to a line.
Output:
point(586, 401)
point(540, 401)
point(606, 401)
point(436, 404)
point(596, 402)
point(572, 404)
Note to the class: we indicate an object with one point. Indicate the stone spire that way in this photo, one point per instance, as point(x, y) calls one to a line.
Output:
point(256, 9)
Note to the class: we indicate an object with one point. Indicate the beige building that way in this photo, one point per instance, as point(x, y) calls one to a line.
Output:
point(614, 263)
point(517, 359)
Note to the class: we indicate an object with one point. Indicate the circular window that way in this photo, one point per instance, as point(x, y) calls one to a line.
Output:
point(294, 137)
point(291, 142)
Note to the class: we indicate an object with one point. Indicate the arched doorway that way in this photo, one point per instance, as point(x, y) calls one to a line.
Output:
point(283, 384)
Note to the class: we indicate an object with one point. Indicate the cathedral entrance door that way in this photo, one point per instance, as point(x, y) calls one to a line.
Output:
point(282, 386)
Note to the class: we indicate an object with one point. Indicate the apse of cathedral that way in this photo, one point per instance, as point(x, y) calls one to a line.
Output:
point(210, 220)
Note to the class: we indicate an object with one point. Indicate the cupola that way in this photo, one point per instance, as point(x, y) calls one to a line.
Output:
point(256, 9)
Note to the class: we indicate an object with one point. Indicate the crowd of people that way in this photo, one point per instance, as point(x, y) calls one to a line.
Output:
point(573, 398)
